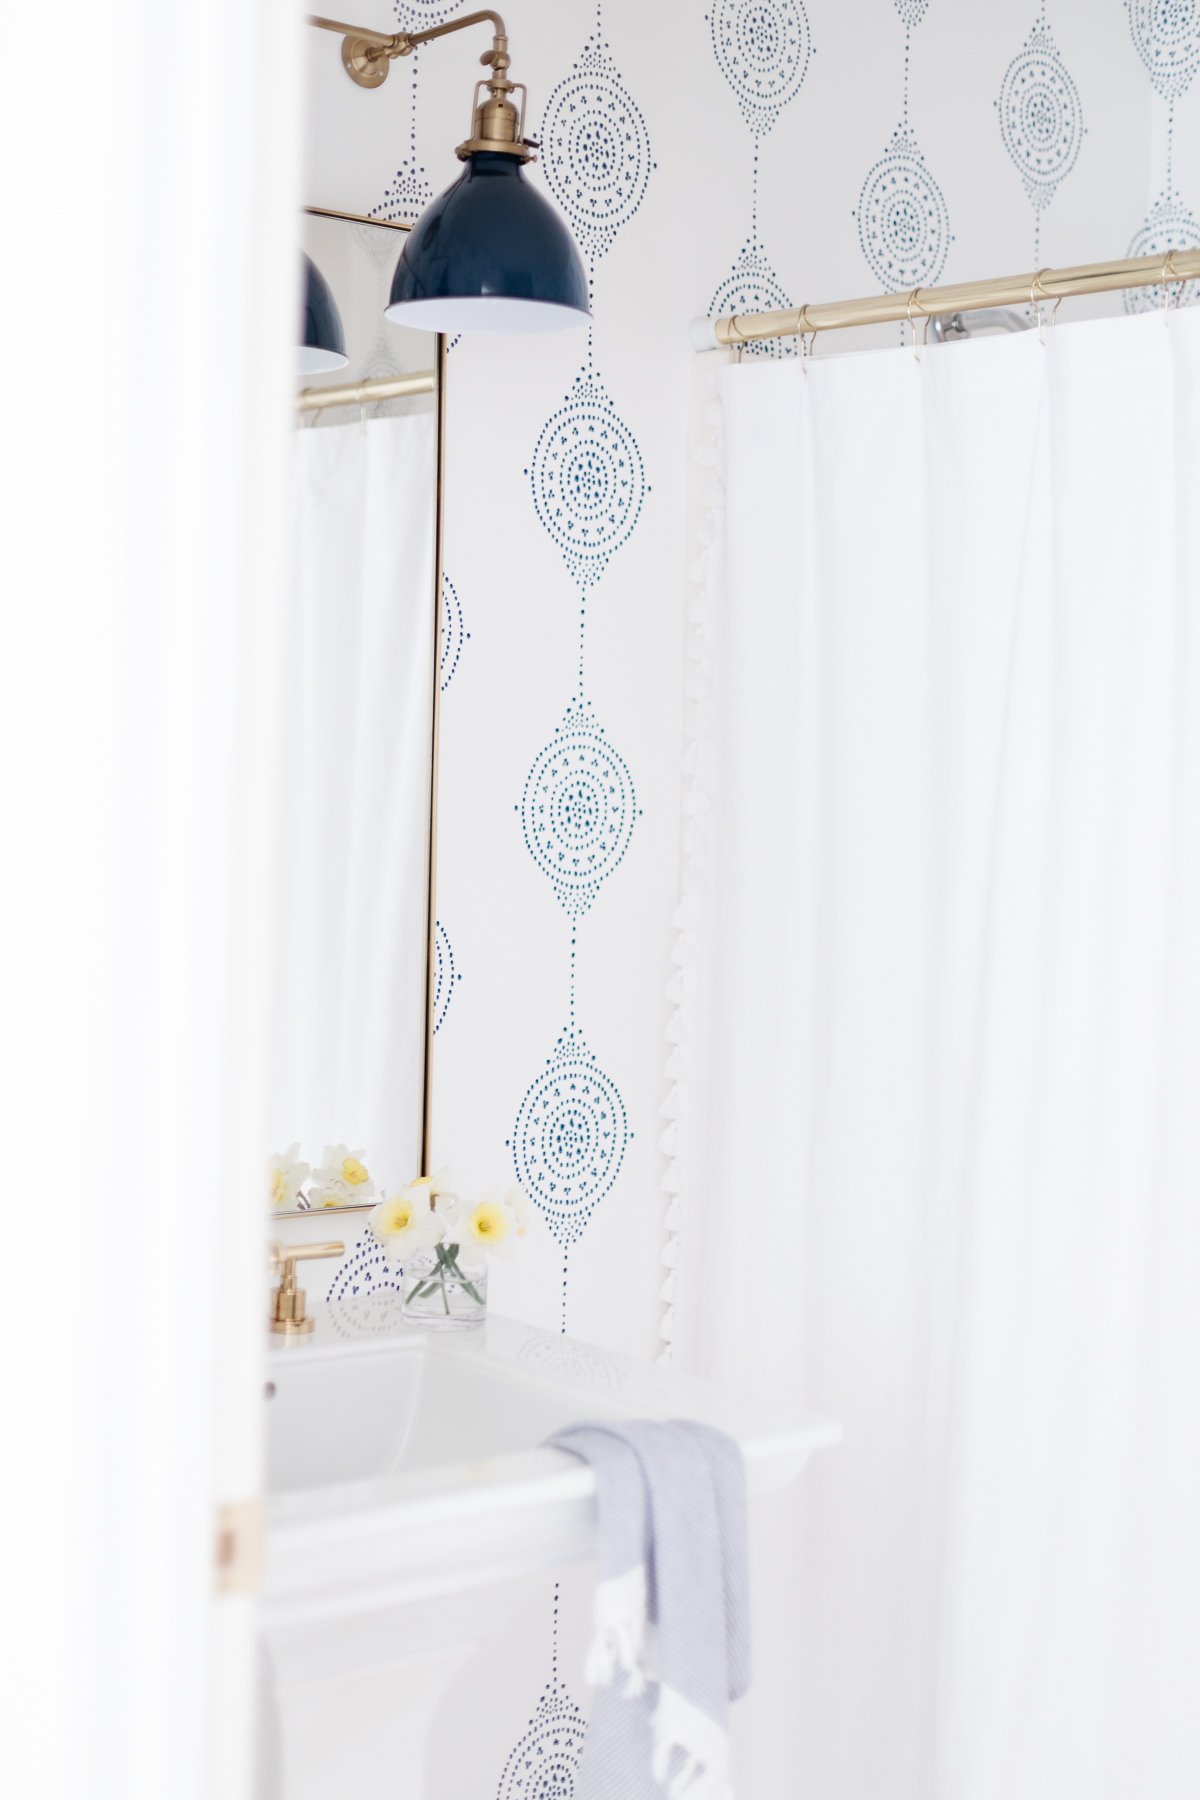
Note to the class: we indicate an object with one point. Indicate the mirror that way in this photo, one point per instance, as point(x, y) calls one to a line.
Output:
point(350, 1045)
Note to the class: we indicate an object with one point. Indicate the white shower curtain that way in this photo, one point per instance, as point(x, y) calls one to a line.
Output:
point(939, 1141)
point(356, 769)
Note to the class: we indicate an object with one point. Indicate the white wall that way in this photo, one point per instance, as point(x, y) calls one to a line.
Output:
point(721, 191)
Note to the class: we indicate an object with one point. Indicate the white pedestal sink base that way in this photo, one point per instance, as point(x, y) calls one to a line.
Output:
point(410, 1507)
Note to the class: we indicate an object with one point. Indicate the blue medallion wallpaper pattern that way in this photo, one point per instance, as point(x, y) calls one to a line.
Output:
point(544, 1762)
point(903, 224)
point(1166, 35)
point(587, 482)
point(884, 144)
point(763, 49)
point(1041, 120)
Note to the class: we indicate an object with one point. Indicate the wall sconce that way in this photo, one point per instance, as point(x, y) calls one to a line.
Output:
point(491, 254)
point(322, 340)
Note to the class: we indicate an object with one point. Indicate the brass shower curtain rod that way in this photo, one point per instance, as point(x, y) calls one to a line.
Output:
point(1036, 288)
point(368, 393)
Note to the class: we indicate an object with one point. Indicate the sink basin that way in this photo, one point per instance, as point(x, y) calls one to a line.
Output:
point(409, 1503)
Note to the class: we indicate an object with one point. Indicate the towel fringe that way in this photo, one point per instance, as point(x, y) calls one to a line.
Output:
point(619, 1631)
point(704, 1746)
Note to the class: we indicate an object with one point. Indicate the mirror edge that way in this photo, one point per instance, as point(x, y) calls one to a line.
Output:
point(441, 353)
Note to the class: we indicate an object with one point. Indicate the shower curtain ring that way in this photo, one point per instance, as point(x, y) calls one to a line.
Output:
point(735, 331)
point(1037, 293)
point(805, 332)
point(1171, 274)
point(914, 299)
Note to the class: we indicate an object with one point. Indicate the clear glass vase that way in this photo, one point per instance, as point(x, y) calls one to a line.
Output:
point(443, 1287)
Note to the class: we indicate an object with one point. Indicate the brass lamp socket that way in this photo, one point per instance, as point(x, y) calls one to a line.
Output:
point(498, 126)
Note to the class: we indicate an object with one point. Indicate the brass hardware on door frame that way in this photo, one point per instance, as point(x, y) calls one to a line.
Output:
point(239, 1546)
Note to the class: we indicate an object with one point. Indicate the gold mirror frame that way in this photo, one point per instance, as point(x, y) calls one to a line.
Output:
point(362, 394)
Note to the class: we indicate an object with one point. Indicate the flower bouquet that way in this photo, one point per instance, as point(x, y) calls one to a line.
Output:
point(443, 1243)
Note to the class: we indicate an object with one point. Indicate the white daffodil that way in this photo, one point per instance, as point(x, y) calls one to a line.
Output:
point(286, 1175)
point(489, 1225)
point(517, 1202)
point(342, 1180)
point(406, 1222)
point(439, 1186)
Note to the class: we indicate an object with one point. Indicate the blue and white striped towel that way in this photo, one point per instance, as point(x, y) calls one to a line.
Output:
point(671, 1611)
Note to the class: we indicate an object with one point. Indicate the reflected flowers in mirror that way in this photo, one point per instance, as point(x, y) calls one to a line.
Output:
point(286, 1176)
point(343, 1179)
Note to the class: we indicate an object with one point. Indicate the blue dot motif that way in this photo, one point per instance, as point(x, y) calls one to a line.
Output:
point(578, 809)
point(753, 286)
point(570, 1138)
point(763, 49)
point(588, 479)
point(1041, 119)
point(366, 1270)
point(419, 15)
point(903, 224)
point(1170, 226)
point(446, 976)
point(454, 634)
point(1167, 36)
point(544, 1763)
point(595, 150)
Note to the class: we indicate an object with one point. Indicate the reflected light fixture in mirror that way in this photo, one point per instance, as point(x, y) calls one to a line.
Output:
point(491, 254)
point(322, 340)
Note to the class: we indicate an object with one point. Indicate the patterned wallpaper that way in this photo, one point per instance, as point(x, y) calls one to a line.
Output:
point(711, 155)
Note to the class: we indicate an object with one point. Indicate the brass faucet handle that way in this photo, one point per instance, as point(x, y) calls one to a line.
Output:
point(294, 1253)
point(287, 1303)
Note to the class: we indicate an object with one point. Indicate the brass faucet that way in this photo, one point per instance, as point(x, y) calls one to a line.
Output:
point(287, 1302)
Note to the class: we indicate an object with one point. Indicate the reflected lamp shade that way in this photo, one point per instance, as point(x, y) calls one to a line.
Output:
point(490, 254)
point(322, 340)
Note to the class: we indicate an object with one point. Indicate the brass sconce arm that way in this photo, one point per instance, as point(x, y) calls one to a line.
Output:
point(366, 54)
point(496, 124)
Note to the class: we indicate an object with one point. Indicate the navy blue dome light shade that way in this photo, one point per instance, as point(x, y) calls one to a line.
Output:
point(322, 340)
point(490, 254)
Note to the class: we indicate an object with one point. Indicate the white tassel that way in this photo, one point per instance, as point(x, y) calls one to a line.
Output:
point(601, 1663)
point(618, 1627)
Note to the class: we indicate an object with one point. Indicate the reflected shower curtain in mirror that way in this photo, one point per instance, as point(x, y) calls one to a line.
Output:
point(939, 1136)
point(356, 761)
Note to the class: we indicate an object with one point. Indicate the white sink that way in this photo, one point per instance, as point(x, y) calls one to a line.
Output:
point(409, 1504)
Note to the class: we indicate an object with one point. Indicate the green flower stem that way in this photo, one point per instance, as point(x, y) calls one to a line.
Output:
point(448, 1257)
point(447, 1266)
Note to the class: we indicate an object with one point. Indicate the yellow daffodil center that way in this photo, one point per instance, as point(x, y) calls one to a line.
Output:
point(489, 1224)
point(397, 1215)
point(278, 1187)
point(353, 1171)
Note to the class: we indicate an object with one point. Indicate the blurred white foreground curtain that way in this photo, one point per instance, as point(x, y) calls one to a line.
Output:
point(942, 1149)
point(143, 553)
point(358, 667)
